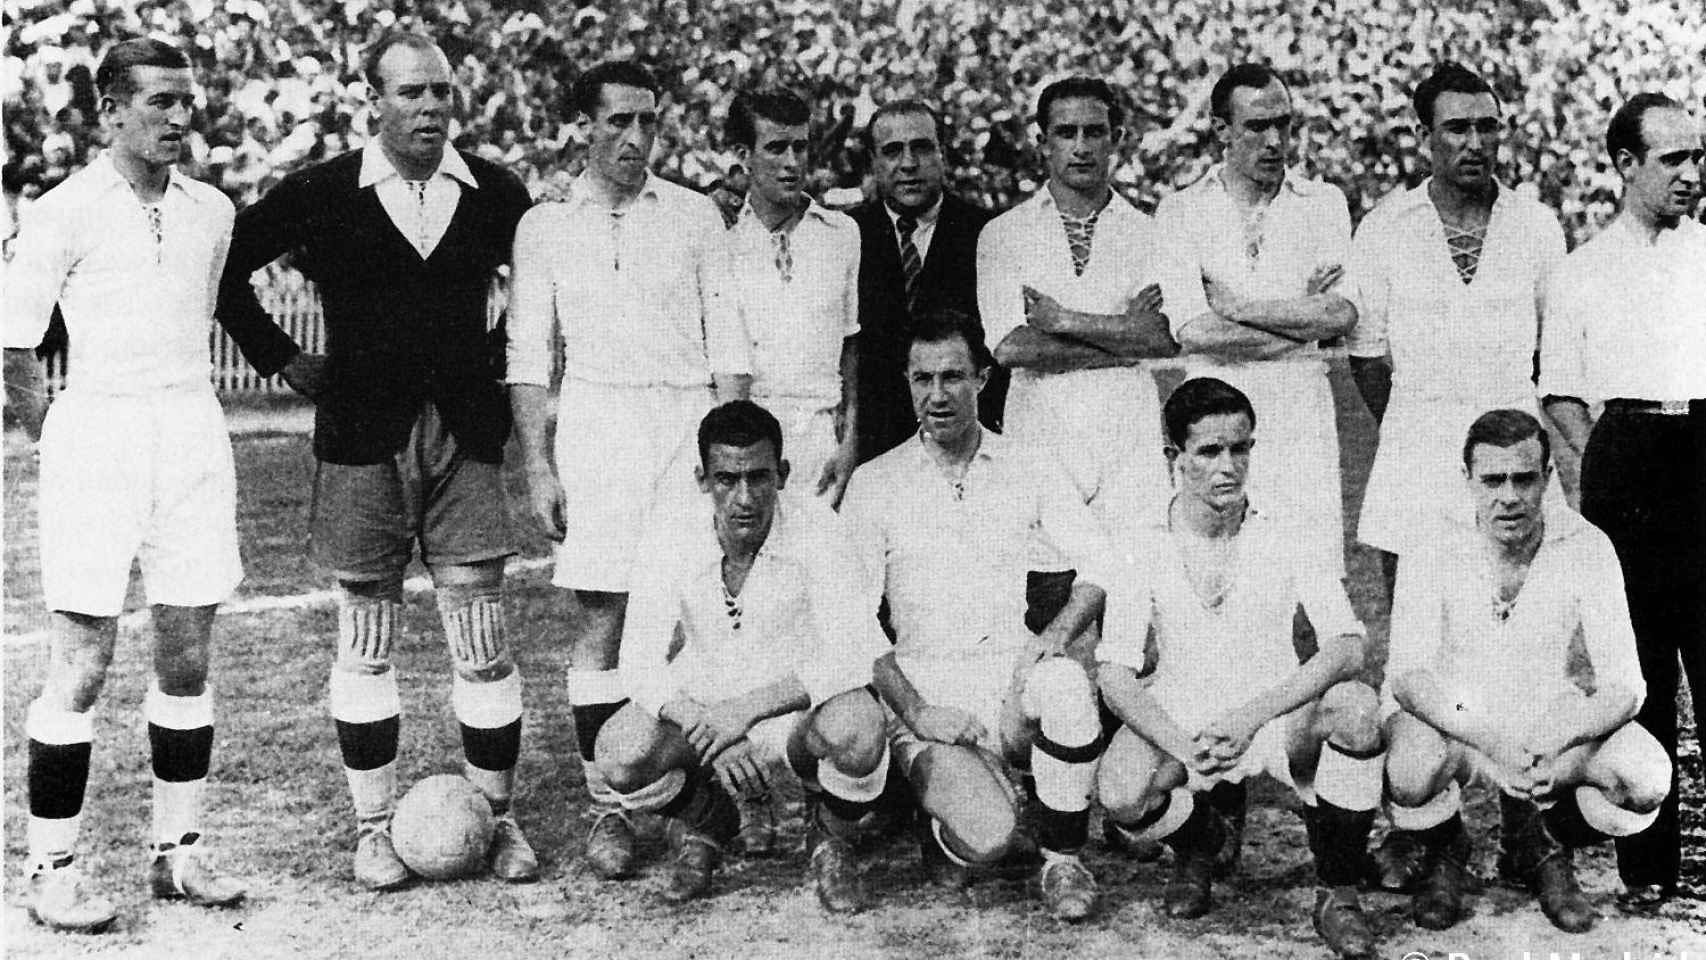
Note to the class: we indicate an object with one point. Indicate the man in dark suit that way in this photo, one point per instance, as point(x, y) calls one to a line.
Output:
point(403, 237)
point(919, 253)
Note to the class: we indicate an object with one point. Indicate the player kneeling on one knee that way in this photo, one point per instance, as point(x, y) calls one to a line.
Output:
point(777, 634)
point(1481, 681)
point(1221, 696)
point(946, 521)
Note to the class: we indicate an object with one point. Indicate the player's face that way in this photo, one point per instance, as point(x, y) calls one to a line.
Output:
point(1079, 142)
point(1667, 181)
point(743, 483)
point(1214, 461)
point(414, 104)
point(1258, 135)
point(620, 136)
point(150, 124)
point(945, 383)
point(1507, 484)
point(1464, 139)
point(778, 161)
point(907, 162)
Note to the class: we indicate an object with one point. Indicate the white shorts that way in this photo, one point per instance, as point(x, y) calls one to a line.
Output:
point(988, 687)
point(808, 438)
point(619, 451)
point(146, 478)
point(1268, 753)
point(769, 737)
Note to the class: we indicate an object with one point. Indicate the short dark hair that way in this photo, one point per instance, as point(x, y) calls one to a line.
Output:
point(1448, 77)
point(588, 90)
point(738, 423)
point(942, 324)
point(1624, 132)
point(113, 78)
point(1080, 86)
point(903, 108)
point(1201, 397)
point(377, 50)
point(1256, 76)
point(1504, 428)
point(775, 105)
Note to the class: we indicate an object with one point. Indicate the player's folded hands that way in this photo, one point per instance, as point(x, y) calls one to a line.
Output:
point(947, 725)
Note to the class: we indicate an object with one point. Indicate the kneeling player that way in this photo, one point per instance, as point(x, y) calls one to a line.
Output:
point(1220, 583)
point(945, 520)
point(777, 636)
point(1491, 626)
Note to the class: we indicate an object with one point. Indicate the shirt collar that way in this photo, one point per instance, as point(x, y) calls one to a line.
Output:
point(778, 544)
point(1213, 182)
point(924, 219)
point(813, 210)
point(110, 177)
point(1117, 205)
point(1159, 516)
point(1562, 524)
point(992, 447)
point(581, 191)
point(376, 167)
point(1416, 198)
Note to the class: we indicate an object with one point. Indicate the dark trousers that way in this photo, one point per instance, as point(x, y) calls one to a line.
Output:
point(1644, 484)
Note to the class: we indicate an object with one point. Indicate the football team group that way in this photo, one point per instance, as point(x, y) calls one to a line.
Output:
point(799, 545)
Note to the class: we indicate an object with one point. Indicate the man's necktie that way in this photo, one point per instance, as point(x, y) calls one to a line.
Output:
point(910, 262)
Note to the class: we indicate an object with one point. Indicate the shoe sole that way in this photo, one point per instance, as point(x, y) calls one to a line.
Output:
point(202, 902)
point(101, 926)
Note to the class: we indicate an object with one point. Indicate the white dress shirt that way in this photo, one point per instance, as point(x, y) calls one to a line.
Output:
point(1628, 318)
point(797, 324)
point(806, 610)
point(1571, 606)
point(420, 210)
point(921, 234)
point(138, 304)
point(1210, 659)
point(1304, 227)
point(952, 558)
point(644, 296)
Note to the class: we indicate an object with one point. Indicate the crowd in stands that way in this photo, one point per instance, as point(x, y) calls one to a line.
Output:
point(283, 87)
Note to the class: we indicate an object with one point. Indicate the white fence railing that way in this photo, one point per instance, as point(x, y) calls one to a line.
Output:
point(294, 303)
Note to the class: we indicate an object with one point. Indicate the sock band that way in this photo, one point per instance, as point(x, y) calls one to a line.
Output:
point(494, 749)
point(1065, 754)
point(1062, 831)
point(180, 756)
point(368, 746)
point(58, 777)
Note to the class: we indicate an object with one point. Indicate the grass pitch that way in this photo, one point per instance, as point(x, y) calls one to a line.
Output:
point(278, 809)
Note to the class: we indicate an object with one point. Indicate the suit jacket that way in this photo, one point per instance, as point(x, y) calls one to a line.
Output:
point(948, 279)
point(400, 330)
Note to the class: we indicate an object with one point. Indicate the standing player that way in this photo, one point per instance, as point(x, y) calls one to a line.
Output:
point(1219, 583)
point(1067, 285)
point(796, 267)
point(945, 521)
point(1449, 281)
point(919, 253)
point(404, 237)
point(1258, 252)
point(634, 272)
point(1481, 682)
point(1631, 331)
point(776, 639)
point(135, 463)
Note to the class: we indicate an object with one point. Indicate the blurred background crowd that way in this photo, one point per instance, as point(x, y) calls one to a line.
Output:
point(283, 88)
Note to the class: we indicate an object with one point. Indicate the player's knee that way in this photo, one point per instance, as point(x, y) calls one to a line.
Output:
point(626, 749)
point(473, 618)
point(183, 672)
point(984, 835)
point(849, 729)
point(1644, 771)
point(1352, 714)
point(1126, 798)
